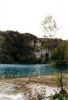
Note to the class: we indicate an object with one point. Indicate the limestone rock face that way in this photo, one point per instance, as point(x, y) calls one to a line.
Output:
point(31, 43)
point(39, 50)
point(38, 43)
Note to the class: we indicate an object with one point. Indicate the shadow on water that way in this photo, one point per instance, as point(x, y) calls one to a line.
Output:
point(63, 68)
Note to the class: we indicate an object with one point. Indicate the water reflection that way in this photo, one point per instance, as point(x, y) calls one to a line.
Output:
point(61, 68)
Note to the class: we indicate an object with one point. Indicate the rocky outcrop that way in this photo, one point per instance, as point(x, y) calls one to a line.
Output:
point(39, 50)
point(32, 43)
point(38, 43)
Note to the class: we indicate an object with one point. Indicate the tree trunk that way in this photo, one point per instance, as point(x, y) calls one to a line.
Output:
point(63, 91)
point(61, 83)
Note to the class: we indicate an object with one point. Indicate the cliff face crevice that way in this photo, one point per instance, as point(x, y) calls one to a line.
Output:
point(39, 51)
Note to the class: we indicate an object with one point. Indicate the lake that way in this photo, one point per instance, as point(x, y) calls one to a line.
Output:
point(27, 69)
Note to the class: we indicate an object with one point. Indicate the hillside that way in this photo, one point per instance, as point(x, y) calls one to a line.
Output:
point(25, 48)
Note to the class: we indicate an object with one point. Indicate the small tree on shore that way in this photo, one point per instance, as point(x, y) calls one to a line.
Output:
point(58, 55)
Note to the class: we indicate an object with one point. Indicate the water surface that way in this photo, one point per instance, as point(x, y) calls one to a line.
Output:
point(27, 69)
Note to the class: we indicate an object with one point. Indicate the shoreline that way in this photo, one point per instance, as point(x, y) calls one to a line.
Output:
point(17, 88)
point(47, 79)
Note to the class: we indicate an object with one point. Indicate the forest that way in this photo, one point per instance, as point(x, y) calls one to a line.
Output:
point(15, 48)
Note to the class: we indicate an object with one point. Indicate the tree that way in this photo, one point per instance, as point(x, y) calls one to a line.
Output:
point(59, 58)
point(50, 26)
point(58, 55)
point(16, 47)
point(1, 42)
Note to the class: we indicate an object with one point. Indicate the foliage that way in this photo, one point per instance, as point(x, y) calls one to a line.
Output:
point(50, 26)
point(59, 54)
point(51, 44)
point(15, 47)
point(59, 97)
point(56, 79)
point(59, 57)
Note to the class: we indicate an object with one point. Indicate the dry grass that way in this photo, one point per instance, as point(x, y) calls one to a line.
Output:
point(22, 82)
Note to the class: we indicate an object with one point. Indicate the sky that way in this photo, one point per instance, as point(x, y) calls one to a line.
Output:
point(27, 15)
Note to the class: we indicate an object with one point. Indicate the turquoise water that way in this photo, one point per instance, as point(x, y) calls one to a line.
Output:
point(27, 69)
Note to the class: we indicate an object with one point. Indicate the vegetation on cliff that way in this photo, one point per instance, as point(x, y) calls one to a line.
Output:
point(17, 48)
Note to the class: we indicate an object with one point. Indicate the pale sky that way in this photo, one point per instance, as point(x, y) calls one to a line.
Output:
point(27, 15)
